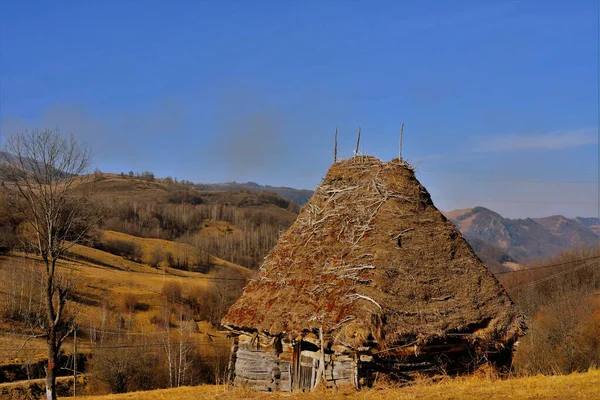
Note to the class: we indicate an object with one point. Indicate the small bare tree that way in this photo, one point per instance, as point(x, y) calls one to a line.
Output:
point(42, 171)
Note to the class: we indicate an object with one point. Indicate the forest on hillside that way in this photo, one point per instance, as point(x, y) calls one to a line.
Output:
point(141, 205)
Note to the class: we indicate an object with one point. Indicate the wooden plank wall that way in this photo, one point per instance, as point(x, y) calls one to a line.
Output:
point(271, 364)
point(338, 367)
point(260, 366)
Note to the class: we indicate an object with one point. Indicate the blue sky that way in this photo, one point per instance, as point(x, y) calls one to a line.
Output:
point(499, 99)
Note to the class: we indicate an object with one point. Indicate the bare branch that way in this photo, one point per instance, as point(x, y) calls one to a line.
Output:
point(27, 340)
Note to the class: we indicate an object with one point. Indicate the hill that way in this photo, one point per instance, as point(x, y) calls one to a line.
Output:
point(237, 226)
point(592, 223)
point(117, 299)
point(298, 196)
point(522, 240)
point(123, 187)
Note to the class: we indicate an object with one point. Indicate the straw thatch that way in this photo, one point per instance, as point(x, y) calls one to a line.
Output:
point(371, 259)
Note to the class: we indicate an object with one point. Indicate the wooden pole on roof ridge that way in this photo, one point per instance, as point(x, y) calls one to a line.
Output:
point(401, 131)
point(357, 142)
point(335, 146)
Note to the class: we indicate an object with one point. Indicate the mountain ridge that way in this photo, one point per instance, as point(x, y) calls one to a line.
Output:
point(298, 196)
point(524, 239)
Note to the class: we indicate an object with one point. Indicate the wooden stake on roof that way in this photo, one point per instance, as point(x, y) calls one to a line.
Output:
point(357, 142)
point(401, 131)
point(335, 146)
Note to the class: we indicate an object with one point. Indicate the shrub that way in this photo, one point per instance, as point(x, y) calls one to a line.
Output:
point(127, 302)
point(196, 299)
point(160, 320)
point(172, 292)
point(123, 248)
point(216, 359)
point(563, 337)
point(8, 239)
point(126, 368)
point(156, 257)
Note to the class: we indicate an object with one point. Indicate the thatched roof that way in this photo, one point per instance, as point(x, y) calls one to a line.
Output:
point(371, 258)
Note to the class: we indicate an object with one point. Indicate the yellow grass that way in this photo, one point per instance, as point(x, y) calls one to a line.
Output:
point(100, 278)
point(177, 249)
point(575, 386)
point(216, 228)
point(114, 186)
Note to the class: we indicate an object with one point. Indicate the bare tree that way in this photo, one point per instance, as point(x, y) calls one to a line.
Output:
point(42, 171)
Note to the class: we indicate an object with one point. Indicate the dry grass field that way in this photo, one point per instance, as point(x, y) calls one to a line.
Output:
point(102, 278)
point(574, 386)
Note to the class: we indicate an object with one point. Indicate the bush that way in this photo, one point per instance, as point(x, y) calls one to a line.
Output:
point(220, 296)
point(126, 368)
point(563, 337)
point(564, 315)
point(156, 257)
point(215, 361)
point(177, 260)
point(127, 302)
point(123, 248)
point(196, 299)
point(185, 196)
point(172, 292)
point(9, 240)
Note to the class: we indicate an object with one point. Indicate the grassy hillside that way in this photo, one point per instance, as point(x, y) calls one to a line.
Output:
point(103, 284)
point(574, 386)
point(179, 251)
point(119, 187)
point(298, 196)
point(238, 226)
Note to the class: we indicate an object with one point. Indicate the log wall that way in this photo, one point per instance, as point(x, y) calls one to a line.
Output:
point(258, 365)
point(262, 364)
point(271, 364)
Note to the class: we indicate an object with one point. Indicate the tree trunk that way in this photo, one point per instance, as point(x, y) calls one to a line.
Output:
point(52, 328)
point(51, 369)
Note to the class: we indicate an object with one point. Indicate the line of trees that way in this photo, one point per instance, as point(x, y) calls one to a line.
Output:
point(563, 313)
point(176, 354)
point(252, 234)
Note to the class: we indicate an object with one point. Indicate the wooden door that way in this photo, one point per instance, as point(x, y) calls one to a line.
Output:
point(308, 373)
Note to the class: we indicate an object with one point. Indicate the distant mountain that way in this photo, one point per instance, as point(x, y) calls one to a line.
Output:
point(573, 231)
point(298, 196)
point(591, 223)
point(524, 239)
point(29, 163)
point(496, 259)
point(4, 156)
